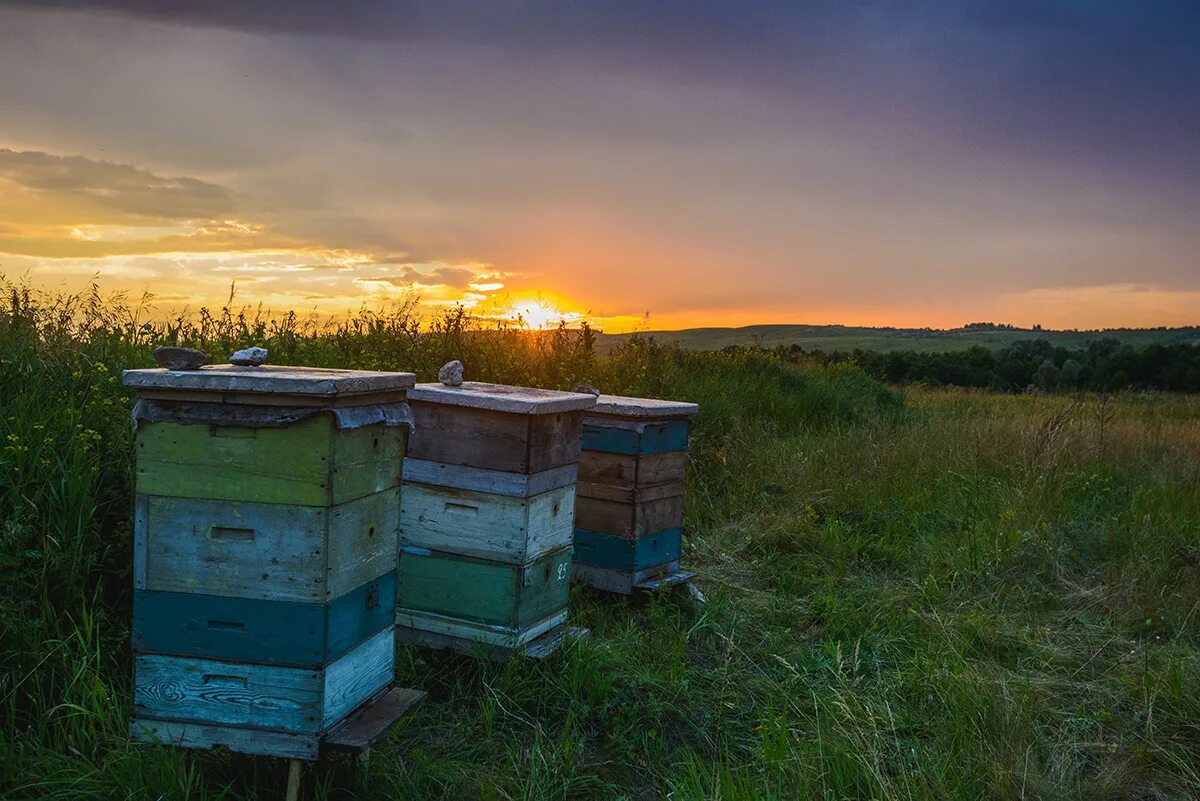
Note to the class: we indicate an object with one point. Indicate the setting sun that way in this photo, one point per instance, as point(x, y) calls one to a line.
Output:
point(539, 314)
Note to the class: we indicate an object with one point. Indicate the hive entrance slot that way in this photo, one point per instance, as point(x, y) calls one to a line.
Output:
point(226, 625)
point(231, 533)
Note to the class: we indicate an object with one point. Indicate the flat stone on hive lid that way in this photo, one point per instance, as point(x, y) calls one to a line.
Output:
point(586, 388)
point(249, 357)
point(311, 381)
point(502, 398)
point(622, 406)
point(173, 358)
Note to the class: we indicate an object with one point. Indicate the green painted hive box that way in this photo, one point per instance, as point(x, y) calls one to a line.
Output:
point(629, 499)
point(265, 536)
point(487, 516)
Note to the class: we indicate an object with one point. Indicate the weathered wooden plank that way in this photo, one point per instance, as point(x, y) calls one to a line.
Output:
point(497, 527)
point(243, 740)
point(554, 440)
point(309, 463)
point(141, 522)
point(366, 460)
point(363, 539)
point(370, 722)
point(630, 495)
point(252, 630)
point(482, 592)
point(545, 587)
point(273, 398)
point(623, 406)
point(268, 465)
point(502, 398)
point(472, 437)
point(268, 551)
point(227, 693)
point(624, 553)
point(249, 550)
point(630, 470)
point(497, 482)
point(269, 378)
point(360, 674)
point(435, 631)
point(458, 587)
point(643, 439)
point(628, 582)
point(628, 519)
point(491, 440)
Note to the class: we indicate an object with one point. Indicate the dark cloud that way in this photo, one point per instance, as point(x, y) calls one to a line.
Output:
point(456, 277)
point(1085, 81)
point(123, 188)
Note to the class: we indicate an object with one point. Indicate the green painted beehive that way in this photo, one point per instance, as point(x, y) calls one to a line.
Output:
point(629, 500)
point(487, 517)
point(266, 529)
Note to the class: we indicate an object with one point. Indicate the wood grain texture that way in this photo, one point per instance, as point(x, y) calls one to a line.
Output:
point(490, 440)
point(503, 398)
point(471, 437)
point(627, 470)
point(269, 632)
point(310, 463)
point(627, 582)
point(625, 519)
point(247, 550)
point(370, 722)
point(267, 551)
point(141, 522)
point(437, 631)
point(624, 553)
point(263, 742)
point(642, 438)
point(482, 592)
point(270, 379)
point(357, 676)
point(498, 482)
point(227, 693)
point(641, 408)
point(363, 539)
point(630, 495)
point(496, 527)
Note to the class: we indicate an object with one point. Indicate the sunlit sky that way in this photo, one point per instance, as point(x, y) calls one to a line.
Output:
point(706, 163)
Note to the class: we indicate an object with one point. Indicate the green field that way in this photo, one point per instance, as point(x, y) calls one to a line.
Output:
point(848, 338)
point(912, 594)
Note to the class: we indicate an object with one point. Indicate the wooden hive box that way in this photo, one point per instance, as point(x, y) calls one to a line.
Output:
point(629, 499)
point(487, 516)
point(265, 536)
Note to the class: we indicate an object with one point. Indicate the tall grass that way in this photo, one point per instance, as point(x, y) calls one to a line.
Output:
point(940, 594)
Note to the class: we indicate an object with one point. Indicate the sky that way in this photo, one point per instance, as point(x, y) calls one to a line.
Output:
point(638, 164)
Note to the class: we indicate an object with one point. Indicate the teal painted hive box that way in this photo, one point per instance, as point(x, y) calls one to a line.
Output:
point(487, 517)
point(265, 535)
point(629, 500)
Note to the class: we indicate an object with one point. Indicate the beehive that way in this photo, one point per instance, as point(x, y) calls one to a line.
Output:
point(629, 500)
point(266, 528)
point(487, 516)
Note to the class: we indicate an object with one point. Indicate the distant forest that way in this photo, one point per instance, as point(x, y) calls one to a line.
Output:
point(1103, 365)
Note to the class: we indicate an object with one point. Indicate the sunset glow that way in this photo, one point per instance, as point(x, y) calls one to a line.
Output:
point(846, 176)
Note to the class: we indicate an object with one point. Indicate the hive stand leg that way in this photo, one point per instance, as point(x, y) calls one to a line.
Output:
point(364, 758)
point(293, 785)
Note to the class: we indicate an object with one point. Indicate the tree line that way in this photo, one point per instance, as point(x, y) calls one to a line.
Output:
point(1104, 365)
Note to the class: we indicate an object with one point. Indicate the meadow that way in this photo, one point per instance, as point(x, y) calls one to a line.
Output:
point(911, 593)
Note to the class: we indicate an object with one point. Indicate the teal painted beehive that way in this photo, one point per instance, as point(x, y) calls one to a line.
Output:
point(266, 528)
point(629, 500)
point(487, 517)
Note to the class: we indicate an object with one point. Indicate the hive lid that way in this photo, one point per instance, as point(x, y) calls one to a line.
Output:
point(622, 406)
point(267, 379)
point(502, 398)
